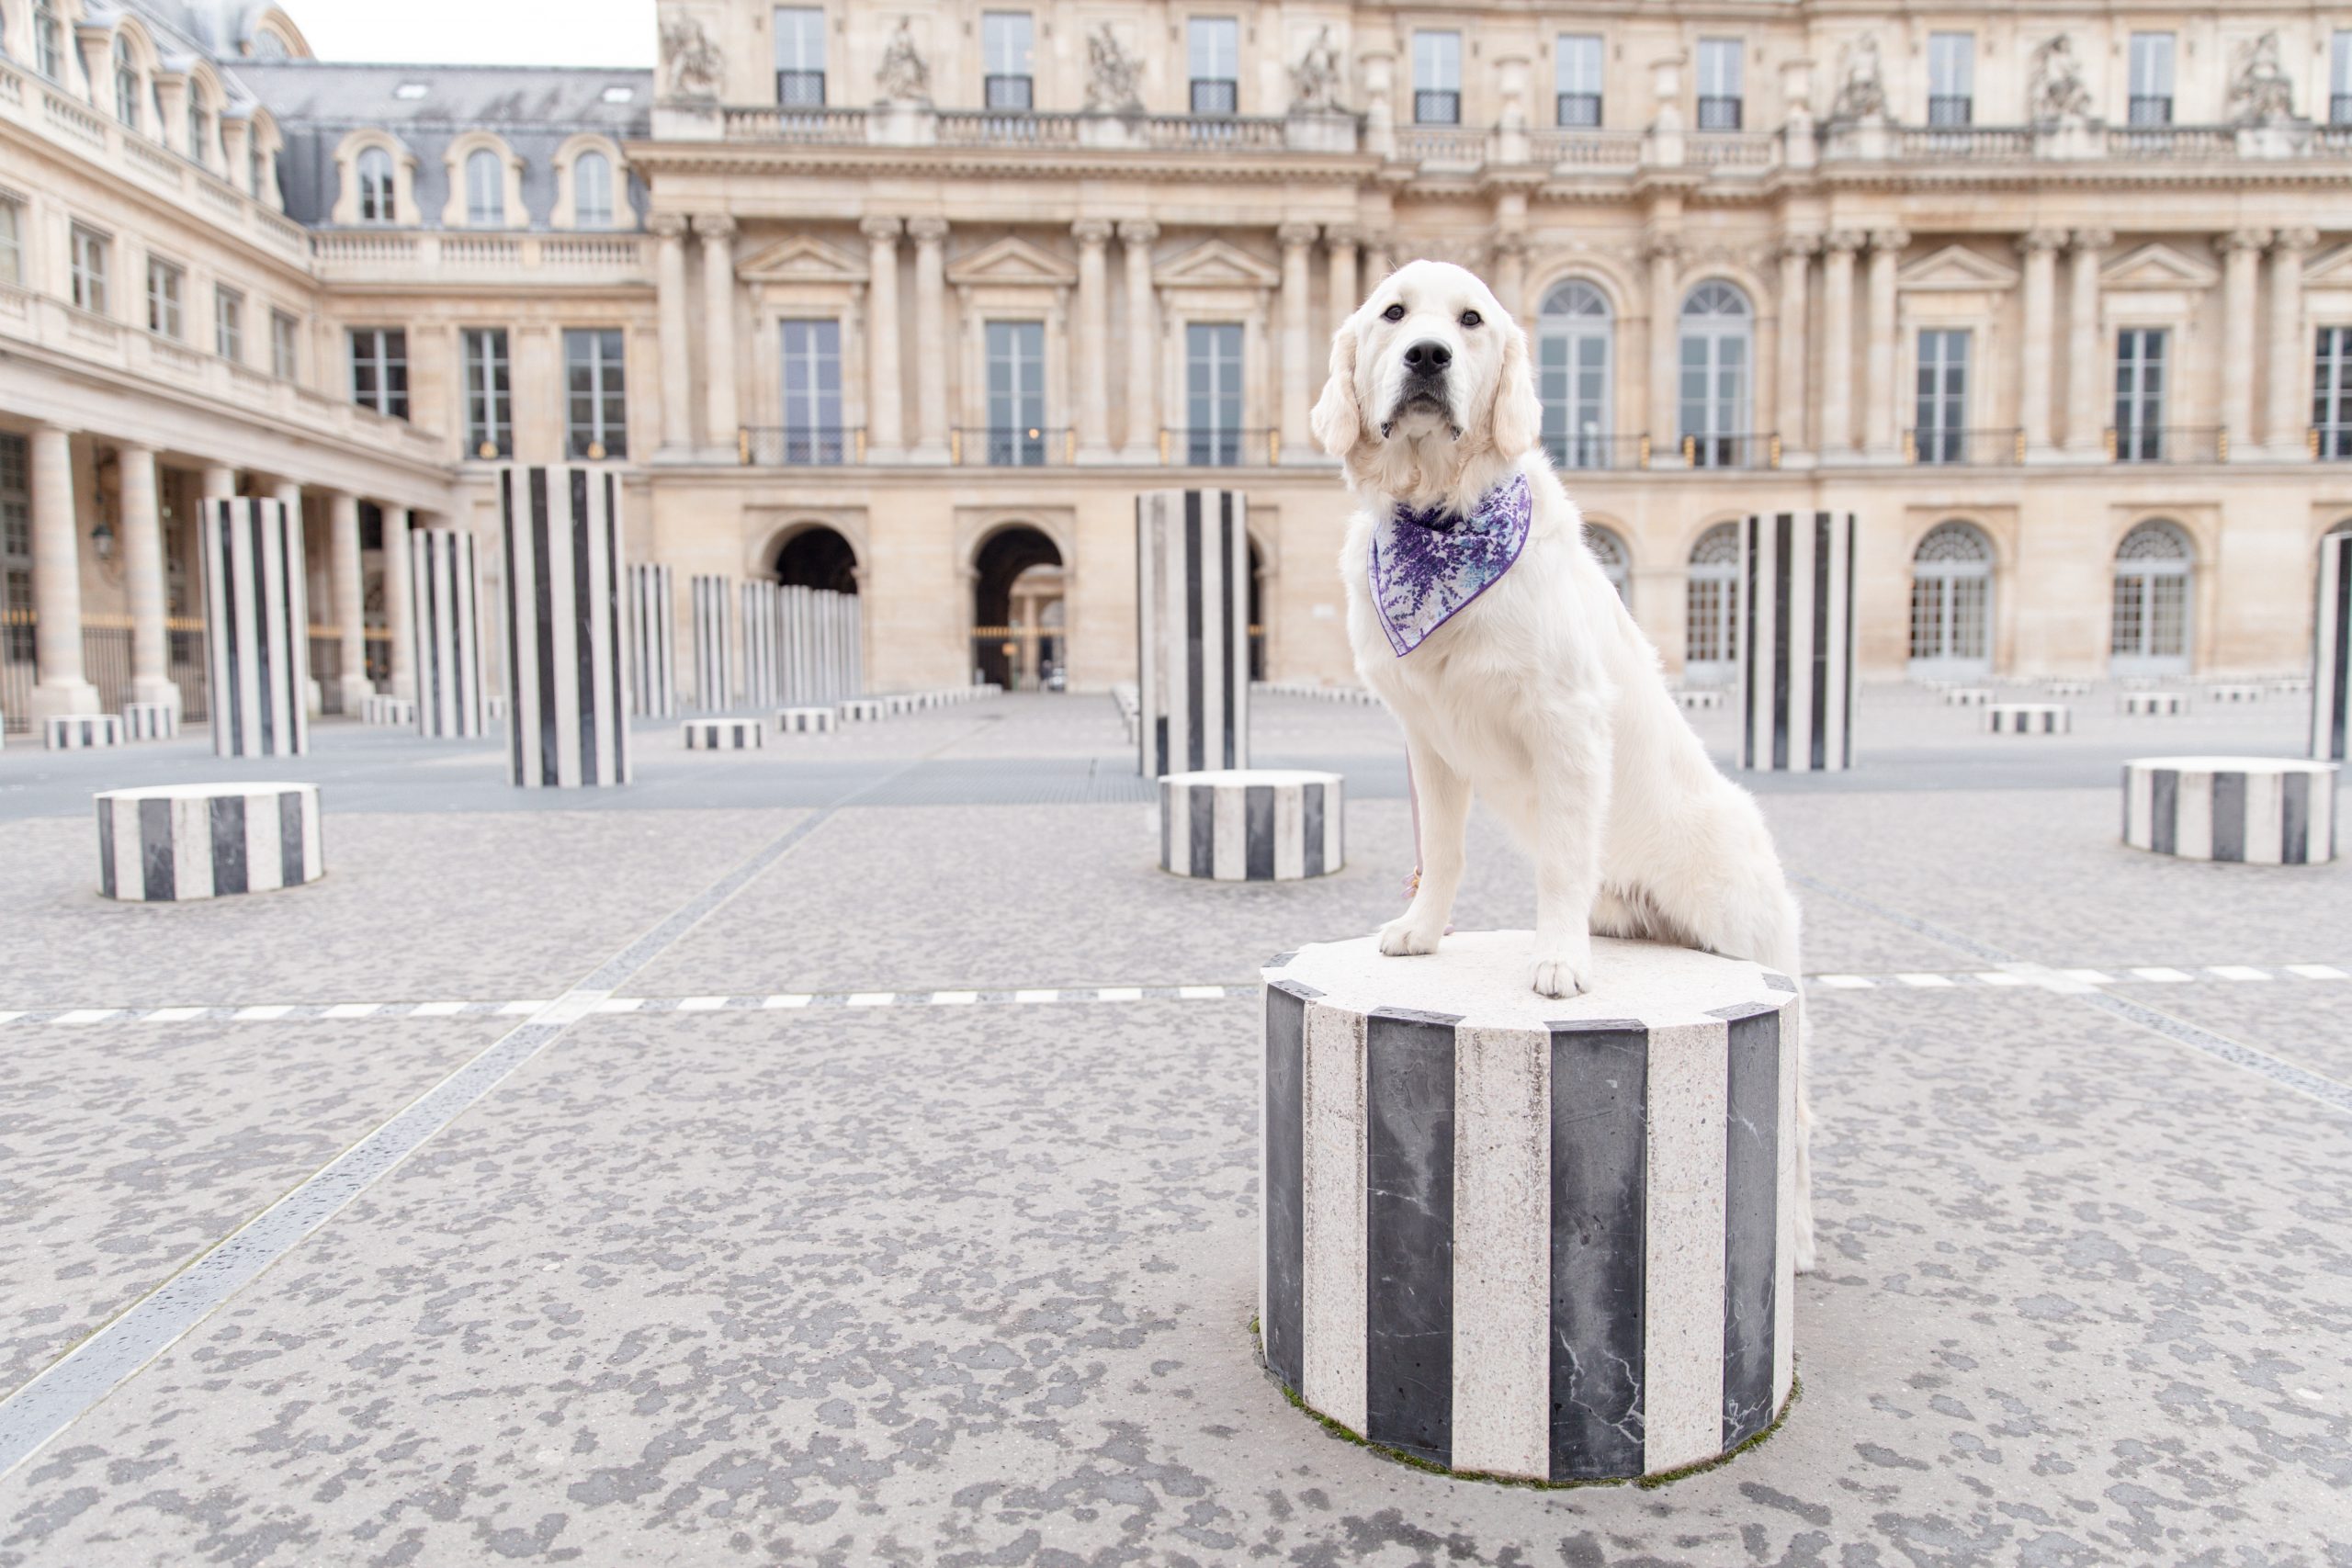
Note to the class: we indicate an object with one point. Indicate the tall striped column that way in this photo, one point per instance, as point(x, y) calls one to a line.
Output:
point(761, 658)
point(652, 633)
point(1796, 650)
point(2332, 650)
point(1193, 630)
point(257, 619)
point(853, 646)
point(444, 585)
point(565, 647)
point(714, 600)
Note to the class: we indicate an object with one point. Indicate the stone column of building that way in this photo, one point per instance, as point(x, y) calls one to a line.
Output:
point(2289, 413)
point(57, 581)
point(1093, 355)
point(930, 338)
point(1340, 249)
point(2037, 351)
point(398, 611)
point(677, 374)
point(886, 429)
point(1380, 260)
point(2088, 376)
point(1143, 335)
point(142, 572)
point(350, 601)
point(2241, 253)
point(1664, 253)
point(1796, 270)
point(719, 420)
point(1837, 342)
point(1511, 273)
point(1298, 396)
point(1879, 423)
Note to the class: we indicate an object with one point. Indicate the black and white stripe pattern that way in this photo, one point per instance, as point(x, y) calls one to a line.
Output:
point(150, 721)
point(714, 603)
point(725, 734)
point(1697, 700)
point(2232, 691)
point(257, 618)
point(858, 710)
point(184, 842)
point(444, 592)
point(1968, 696)
point(565, 650)
point(761, 659)
point(2260, 811)
point(1252, 825)
point(394, 712)
point(2029, 718)
point(2154, 704)
point(652, 631)
point(1796, 653)
point(1522, 1237)
point(1193, 630)
point(81, 732)
point(2332, 650)
point(2066, 687)
point(806, 721)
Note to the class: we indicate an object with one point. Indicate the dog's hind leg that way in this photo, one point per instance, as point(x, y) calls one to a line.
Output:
point(1442, 827)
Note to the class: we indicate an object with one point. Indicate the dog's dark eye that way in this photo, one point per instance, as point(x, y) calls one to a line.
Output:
point(1470, 318)
point(1394, 313)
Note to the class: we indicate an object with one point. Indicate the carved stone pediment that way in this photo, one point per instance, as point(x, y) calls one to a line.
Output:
point(1214, 264)
point(2157, 265)
point(1012, 262)
point(2333, 270)
point(803, 260)
point(1956, 268)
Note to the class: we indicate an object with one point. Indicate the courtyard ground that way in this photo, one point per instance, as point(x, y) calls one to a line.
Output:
point(845, 1153)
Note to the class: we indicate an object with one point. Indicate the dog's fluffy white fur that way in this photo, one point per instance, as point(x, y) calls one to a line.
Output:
point(1541, 695)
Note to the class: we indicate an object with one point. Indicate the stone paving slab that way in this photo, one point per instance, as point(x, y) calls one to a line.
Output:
point(2308, 1023)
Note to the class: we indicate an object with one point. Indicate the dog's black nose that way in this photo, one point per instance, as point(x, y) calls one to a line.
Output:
point(1428, 357)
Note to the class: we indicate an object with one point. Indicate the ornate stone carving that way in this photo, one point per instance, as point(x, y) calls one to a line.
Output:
point(927, 230)
point(1315, 80)
point(1799, 245)
point(690, 62)
point(715, 226)
point(1890, 239)
point(884, 229)
point(904, 78)
point(667, 225)
point(2093, 239)
point(1861, 93)
point(1292, 234)
point(1138, 230)
point(2057, 83)
point(1845, 240)
point(2295, 239)
point(2042, 239)
point(1112, 74)
point(2260, 93)
point(1092, 232)
point(2241, 240)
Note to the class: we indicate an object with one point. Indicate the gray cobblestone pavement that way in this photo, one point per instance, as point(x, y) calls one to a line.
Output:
point(799, 1261)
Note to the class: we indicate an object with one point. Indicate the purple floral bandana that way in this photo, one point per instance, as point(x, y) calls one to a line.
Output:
point(1426, 565)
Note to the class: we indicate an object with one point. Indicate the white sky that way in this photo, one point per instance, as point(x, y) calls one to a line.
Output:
point(479, 32)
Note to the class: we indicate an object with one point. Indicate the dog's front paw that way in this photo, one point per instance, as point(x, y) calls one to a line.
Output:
point(1559, 973)
point(1405, 937)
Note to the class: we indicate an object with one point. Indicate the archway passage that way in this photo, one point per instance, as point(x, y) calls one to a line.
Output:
point(818, 557)
point(1017, 610)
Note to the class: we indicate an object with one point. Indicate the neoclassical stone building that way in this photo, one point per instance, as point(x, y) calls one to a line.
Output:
point(912, 297)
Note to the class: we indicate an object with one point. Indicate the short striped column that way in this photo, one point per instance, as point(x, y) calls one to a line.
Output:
point(257, 626)
point(858, 710)
point(2232, 692)
point(81, 732)
point(2154, 704)
point(1516, 1236)
point(714, 606)
point(565, 645)
point(762, 614)
point(2332, 650)
point(1252, 825)
point(1193, 630)
point(395, 712)
point(177, 842)
point(445, 590)
point(652, 639)
point(806, 721)
point(1703, 699)
point(1968, 696)
point(1796, 656)
point(725, 734)
point(2029, 718)
point(2066, 687)
point(2259, 810)
point(150, 721)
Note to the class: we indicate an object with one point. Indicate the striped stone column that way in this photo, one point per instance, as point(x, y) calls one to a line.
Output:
point(2259, 810)
point(445, 583)
point(713, 601)
point(2029, 718)
point(81, 732)
point(1252, 825)
point(725, 734)
point(1524, 1237)
point(2332, 650)
point(567, 722)
point(762, 660)
point(1796, 651)
point(150, 721)
point(257, 626)
point(183, 841)
point(1193, 630)
point(652, 652)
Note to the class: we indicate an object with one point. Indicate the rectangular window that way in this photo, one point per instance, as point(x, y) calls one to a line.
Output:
point(1572, 382)
point(164, 283)
point(15, 552)
point(490, 402)
point(1006, 58)
point(597, 385)
point(1943, 397)
point(229, 324)
point(380, 370)
point(200, 131)
point(2151, 79)
point(1212, 394)
point(1719, 89)
point(800, 57)
point(49, 50)
point(1576, 79)
point(812, 391)
point(284, 355)
point(1437, 78)
point(12, 241)
point(1215, 47)
point(485, 189)
point(2332, 394)
point(90, 270)
point(2140, 395)
point(2339, 79)
point(1951, 78)
point(1016, 351)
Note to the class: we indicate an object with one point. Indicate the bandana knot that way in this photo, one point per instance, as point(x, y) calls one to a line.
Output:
point(1427, 564)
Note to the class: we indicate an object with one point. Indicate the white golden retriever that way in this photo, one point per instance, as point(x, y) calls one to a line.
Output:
point(1515, 669)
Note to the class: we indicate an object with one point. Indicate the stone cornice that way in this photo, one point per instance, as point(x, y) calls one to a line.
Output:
point(770, 158)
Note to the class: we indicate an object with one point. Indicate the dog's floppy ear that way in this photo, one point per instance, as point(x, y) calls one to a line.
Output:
point(1517, 420)
point(1338, 422)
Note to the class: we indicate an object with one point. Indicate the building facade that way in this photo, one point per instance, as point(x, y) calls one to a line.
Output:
point(912, 300)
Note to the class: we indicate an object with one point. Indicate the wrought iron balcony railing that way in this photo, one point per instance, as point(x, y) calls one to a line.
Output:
point(1736, 451)
point(1220, 448)
point(800, 446)
point(1940, 446)
point(1012, 446)
point(2329, 442)
point(2168, 444)
point(1592, 450)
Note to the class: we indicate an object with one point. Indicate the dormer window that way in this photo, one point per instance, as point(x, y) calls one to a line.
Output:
point(592, 191)
point(126, 84)
point(374, 174)
point(485, 189)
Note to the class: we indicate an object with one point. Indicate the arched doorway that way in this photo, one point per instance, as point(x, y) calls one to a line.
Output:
point(2153, 568)
point(816, 557)
point(1710, 628)
point(1615, 564)
point(1018, 617)
point(1952, 602)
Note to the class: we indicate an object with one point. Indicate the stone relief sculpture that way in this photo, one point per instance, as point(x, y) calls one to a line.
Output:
point(904, 78)
point(1112, 74)
point(2057, 84)
point(1862, 91)
point(1315, 80)
point(690, 61)
point(2260, 93)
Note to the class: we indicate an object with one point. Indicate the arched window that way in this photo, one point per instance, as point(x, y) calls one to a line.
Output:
point(1609, 551)
point(375, 172)
point(1718, 347)
point(1951, 601)
point(1711, 634)
point(126, 84)
point(267, 45)
point(485, 189)
point(199, 126)
point(1572, 371)
point(2153, 567)
point(592, 191)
